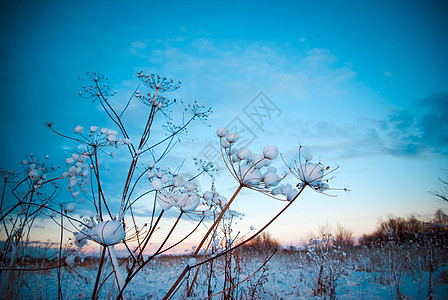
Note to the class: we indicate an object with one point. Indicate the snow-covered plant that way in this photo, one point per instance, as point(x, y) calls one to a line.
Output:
point(111, 224)
point(112, 219)
point(34, 194)
point(251, 170)
point(254, 171)
point(312, 174)
point(326, 259)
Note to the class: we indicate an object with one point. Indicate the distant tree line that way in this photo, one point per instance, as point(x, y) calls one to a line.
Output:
point(407, 229)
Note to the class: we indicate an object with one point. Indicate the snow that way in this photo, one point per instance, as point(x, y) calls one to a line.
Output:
point(292, 194)
point(190, 186)
point(276, 191)
point(166, 200)
point(260, 161)
point(270, 152)
point(112, 132)
point(151, 174)
point(225, 144)
point(222, 132)
point(34, 174)
point(178, 180)
point(187, 201)
point(311, 173)
point(308, 157)
point(232, 137)
point(271, 179)
point(165, 178)
point(79, 129)
point(157, 184)
point(289, 275)
point(192, 261)
point(249, 175)
point(208, 196)
point(108, 233)
point(70, 207)
point(244, 154)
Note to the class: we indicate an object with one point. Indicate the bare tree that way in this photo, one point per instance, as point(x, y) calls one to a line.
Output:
point(441, 191)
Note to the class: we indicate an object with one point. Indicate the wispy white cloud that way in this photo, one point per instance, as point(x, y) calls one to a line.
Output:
point(139, 45)
point(323, 103)
point(411, 132)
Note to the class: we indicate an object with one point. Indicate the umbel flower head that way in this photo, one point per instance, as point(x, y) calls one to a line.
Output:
point(96, 90)
point(173, 190)
point(158, 83)
point(311, 174)
point(251, 170)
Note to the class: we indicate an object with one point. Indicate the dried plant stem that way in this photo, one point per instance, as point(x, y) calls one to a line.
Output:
point(235, 285)
point(148, 237)
point(224, 210)
point(3, 194)
point(60, 256)
point(203, 256)
point(130, 276)
point(253, 236)
point(226, 207)
point(95, 289)
point(116, 270)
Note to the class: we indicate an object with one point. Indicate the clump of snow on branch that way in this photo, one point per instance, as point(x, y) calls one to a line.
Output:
point(311, 174)
point(249, 169)
point(106, 233)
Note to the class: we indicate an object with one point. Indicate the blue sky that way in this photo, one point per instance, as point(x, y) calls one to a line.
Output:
point(361, 84)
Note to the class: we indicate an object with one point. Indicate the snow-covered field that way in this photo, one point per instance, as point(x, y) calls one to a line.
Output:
point(389, 271)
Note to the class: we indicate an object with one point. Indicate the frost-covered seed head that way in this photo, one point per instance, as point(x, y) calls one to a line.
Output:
point(79, 129)
point(222, 132)
point(311, 173)
point(70, 207)
point(166, 200)
point(208, 195)
point(271, 179)
point(249, 175)
point(232, 137)
point(178, 181)
point(270, 152)
point(112, 132)
point(187, 201)
point(157, 184)
point(190, 186)
point(244, 154)
point(225, 143)
point(108, 233)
